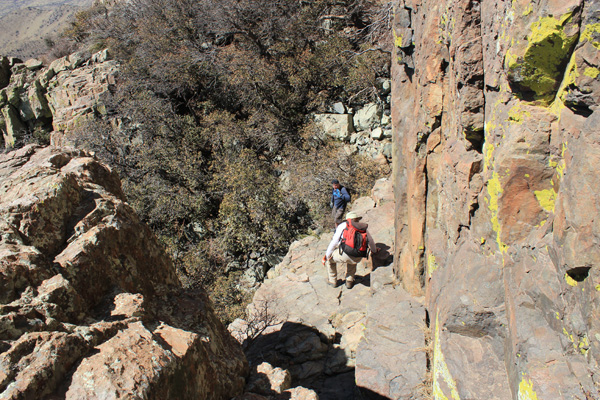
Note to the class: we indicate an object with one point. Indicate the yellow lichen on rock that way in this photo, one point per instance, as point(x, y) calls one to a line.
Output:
point(431, 264)
point(546, 198)
point(592, 72)
point(537, 67)
point(494, 189)
point(517, 115)
point(526, 391)
point(441, 373)
point(588, 34)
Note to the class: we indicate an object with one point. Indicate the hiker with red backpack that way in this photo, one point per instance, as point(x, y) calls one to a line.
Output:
point(354, 241)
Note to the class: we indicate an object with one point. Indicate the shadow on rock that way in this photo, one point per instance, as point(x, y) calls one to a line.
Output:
point(382, 258)
point(314, 360)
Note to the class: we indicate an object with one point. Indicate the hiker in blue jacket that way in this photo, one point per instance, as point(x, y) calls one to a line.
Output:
point(339, 199)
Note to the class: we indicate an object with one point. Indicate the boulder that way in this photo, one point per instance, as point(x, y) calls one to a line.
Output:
point(90, 305)
point(264, 379)
point(33, 64)
point(339, 108)
point(367, 117)
point(337, 126)
point(377, 133)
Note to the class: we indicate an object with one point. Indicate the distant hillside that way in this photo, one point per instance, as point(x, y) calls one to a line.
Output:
point(25, 23)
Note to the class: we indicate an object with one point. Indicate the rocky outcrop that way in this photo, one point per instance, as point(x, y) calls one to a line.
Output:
point(58, 98)
point(342, 343)
point(494, 114)
point(365, 130)
point(90, 306)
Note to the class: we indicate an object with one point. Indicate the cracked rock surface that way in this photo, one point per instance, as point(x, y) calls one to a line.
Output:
point(90, 306)
point(495, 120)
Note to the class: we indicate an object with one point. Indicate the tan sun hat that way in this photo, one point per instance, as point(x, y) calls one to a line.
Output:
point(353, 215)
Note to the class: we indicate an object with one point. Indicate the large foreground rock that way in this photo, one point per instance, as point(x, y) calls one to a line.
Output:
point(90, 306)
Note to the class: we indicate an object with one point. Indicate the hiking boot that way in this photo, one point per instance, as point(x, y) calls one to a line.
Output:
point(349, 284)
point(332, 284)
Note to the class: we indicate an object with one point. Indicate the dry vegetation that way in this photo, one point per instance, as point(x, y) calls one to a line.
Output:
point(213, 102)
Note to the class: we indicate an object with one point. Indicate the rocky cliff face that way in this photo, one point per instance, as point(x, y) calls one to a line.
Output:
point(90, 306)
point(495, 116)
point(37, 100)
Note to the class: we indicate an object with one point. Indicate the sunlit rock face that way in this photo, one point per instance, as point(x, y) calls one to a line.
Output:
point(90, 306)
point(496, 148)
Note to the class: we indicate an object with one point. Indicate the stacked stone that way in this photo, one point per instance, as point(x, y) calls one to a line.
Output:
point(367, 130)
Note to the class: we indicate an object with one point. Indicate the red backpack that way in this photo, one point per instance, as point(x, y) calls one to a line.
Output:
point(354, 240)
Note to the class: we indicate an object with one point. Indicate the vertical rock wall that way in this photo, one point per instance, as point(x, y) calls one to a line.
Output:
point(497, 218)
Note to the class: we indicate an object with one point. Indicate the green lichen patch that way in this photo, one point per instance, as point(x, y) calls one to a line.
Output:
point(537, 72)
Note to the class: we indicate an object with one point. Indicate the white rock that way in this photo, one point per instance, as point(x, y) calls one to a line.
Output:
point(338, 126)
point(386, 120)
point(377, 133)
point(367, 117)
point(339, 108)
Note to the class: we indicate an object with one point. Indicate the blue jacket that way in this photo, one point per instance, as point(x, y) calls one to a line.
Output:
point(339, 198)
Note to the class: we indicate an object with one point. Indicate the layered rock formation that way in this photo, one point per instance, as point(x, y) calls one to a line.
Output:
point(37, 100)
point(90, 306)
point(495, 116)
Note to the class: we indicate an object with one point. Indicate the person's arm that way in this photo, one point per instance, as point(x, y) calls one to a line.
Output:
point(345, 195)
point(335, 242)
point(331, 202)
point(372, 245)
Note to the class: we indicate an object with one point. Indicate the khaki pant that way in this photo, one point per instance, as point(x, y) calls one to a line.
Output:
point(338, 215)
point(343, 258)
